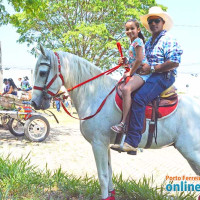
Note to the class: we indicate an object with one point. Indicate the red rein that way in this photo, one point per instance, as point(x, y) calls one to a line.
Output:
point(70, 89)
point(106, 72)
point(104, 101)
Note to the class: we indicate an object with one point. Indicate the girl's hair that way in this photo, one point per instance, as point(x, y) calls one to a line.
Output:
point(5, 80)
point(140, 35)
point(12, 83)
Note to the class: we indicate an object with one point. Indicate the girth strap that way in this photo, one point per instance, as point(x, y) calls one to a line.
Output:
point(153, 124)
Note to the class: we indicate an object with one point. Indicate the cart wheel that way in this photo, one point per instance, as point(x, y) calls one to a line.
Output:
point(37, 128)
point(16, 127)
point(4, 121)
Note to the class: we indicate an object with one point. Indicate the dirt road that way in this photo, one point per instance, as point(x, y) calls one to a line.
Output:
point(66, 147)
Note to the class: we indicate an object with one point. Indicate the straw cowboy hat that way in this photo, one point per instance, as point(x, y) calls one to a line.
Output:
point(157, 11)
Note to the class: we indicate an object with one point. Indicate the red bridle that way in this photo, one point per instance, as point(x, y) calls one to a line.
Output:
point(45, 89)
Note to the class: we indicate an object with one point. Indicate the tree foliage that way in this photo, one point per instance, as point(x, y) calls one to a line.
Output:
point(4, 16)
point(87, 28)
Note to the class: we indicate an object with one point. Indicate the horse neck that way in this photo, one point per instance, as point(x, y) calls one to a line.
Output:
point(78, 70)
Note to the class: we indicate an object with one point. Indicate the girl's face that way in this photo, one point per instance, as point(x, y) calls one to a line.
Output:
point(132, 30)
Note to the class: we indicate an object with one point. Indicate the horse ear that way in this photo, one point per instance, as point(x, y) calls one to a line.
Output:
point(42, 51)
point(37, 51)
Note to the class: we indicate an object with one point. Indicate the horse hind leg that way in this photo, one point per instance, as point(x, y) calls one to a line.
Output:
point(194, 162)
point(101, 157)
point(193, 158)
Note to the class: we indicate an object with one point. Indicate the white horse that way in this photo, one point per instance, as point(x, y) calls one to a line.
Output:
point(181, 129)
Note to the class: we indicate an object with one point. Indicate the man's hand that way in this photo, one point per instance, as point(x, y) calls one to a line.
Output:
point(145, 69)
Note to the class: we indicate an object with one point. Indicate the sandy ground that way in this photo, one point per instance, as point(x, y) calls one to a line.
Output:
point(66, 147)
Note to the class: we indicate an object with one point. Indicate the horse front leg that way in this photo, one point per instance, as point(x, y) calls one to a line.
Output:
point(110, 185)
point(101, 157)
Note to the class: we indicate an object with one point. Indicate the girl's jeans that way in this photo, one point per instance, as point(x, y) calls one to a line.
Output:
point(153, 87)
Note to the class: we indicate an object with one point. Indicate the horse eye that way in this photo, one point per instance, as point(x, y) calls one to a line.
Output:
point(42, 73)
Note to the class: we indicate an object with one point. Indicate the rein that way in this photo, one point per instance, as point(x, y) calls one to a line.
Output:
point(95, 77)
point(46, 87)
point(88, 117)
point(106, 72)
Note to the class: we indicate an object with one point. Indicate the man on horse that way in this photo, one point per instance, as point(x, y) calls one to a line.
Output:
point(164, 55)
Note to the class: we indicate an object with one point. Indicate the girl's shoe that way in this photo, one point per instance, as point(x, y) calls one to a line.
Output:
point(119, 128)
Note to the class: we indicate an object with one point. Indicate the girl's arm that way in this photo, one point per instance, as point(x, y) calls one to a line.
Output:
point(138, 61)
point(10, 90)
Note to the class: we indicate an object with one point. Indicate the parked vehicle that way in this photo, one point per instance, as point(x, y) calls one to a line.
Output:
point(21, 119)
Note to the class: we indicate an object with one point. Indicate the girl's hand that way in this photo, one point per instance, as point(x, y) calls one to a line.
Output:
point(126, 74)
point(122, 60)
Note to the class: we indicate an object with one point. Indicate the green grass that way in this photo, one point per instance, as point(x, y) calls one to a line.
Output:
point(20, 180)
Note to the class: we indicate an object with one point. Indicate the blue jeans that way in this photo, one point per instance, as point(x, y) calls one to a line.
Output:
point(153, 87)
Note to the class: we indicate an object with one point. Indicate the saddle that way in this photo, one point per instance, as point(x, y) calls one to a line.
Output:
point(160, 108)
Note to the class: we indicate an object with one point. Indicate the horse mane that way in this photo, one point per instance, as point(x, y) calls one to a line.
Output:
point(80, 66)
point(78, 69)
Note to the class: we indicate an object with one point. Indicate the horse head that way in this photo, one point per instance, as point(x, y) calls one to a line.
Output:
point(46, 81)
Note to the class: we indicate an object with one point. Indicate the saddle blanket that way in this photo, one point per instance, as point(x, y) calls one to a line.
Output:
point(163, 111)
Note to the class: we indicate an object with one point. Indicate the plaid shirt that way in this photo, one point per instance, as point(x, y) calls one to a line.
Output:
point(163, 49)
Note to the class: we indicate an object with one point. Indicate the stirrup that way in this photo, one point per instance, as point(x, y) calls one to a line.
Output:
point(117, 130)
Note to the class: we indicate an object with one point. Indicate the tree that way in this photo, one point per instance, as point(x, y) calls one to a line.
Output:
point(87, 28)
point(4, 16)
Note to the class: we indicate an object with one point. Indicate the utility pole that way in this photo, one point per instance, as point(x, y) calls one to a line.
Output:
point(1, 71)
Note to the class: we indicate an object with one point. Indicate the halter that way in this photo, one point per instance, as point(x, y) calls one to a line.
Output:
point(45, 90)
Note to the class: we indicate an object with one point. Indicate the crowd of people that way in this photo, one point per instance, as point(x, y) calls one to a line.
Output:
point(16, 89)
point(22, 89)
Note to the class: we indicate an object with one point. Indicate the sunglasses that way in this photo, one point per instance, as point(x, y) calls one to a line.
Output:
point(154, 20)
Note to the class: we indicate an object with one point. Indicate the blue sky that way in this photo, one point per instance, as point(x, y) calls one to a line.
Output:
point(186, 17)
point(184, 13)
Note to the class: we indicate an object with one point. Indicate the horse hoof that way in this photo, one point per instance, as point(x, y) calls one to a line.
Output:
point(132, 153)
point(109, 198)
